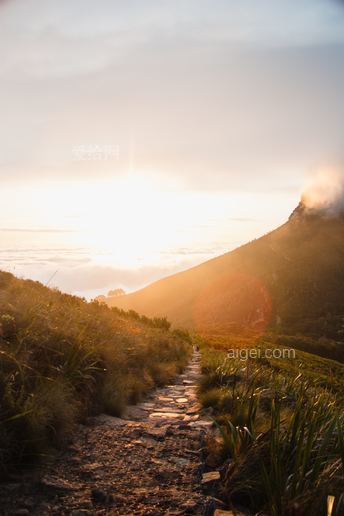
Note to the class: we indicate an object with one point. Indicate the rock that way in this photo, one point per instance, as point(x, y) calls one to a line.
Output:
point(179, 460)
point(193, 452)
point(165, 475)
point(99, 496)
point(146, 442)
point(57, 484)
point(212, 461)
point(105, 419)
point(191, 418)
point(169, 415)
point(189, 504)
point(169, 410)
point(220, 512)
point(201, 423)
point(22, 512)
point(211, 476)
point(183, 425)
point(193, 409)
point(134, 413)
point(157, 433)
point(146, 405)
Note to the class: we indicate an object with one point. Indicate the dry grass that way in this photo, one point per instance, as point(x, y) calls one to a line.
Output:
point(62, 359)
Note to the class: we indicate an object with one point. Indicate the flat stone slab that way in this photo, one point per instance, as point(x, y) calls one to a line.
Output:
point(169, 415)
point(201, 423)
point(146, 405)
point(191, 418)
point(168, 409)
point(181, 400)
point(211, 476)
point(58, 484)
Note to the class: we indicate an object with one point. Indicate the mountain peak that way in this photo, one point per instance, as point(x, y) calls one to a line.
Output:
point(304, 212)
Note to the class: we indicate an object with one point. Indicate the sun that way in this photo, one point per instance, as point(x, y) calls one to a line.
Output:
point(127, 220)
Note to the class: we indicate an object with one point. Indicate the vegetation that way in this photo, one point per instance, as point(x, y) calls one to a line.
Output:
point(281, 425)
point(62, 359)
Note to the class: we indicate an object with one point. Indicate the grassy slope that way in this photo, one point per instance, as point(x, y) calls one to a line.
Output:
point(281, 425)
point(292, 278)
point(62, 359)
point(314, 369)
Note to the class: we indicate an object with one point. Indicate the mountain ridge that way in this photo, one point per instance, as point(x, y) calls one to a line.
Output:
point(287, 279)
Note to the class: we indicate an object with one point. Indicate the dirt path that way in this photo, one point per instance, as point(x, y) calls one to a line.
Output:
point(148, 463)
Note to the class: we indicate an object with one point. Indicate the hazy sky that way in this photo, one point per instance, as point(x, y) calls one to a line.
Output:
point(214, 111)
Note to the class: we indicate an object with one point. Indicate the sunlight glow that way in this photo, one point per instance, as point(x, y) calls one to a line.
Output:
point(133, 222)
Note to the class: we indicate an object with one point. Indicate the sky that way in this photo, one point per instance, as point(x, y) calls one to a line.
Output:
point(141, 137)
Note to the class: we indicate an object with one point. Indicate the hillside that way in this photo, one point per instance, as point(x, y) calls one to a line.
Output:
point(62, 359)
point(290, 280)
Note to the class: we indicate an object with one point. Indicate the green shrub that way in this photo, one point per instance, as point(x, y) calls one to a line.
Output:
point(281, 426)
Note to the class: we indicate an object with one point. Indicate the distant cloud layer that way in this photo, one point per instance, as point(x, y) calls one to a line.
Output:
point(79, 275)
point(34, 230)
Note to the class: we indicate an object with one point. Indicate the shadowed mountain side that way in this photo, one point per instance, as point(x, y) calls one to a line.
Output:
point(291, 278)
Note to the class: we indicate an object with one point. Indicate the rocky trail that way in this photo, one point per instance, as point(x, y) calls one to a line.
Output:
point(149, 462)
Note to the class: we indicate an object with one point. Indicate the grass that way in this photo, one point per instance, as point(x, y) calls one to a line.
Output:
point(62, 359)
point(281, 425)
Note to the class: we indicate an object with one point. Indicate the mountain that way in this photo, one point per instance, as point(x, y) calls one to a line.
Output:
point(290, 280)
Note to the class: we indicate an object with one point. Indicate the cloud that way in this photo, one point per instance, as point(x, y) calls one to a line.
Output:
point(208, 117)
point(35, 230)
point(325, 192)
point(88, 280)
